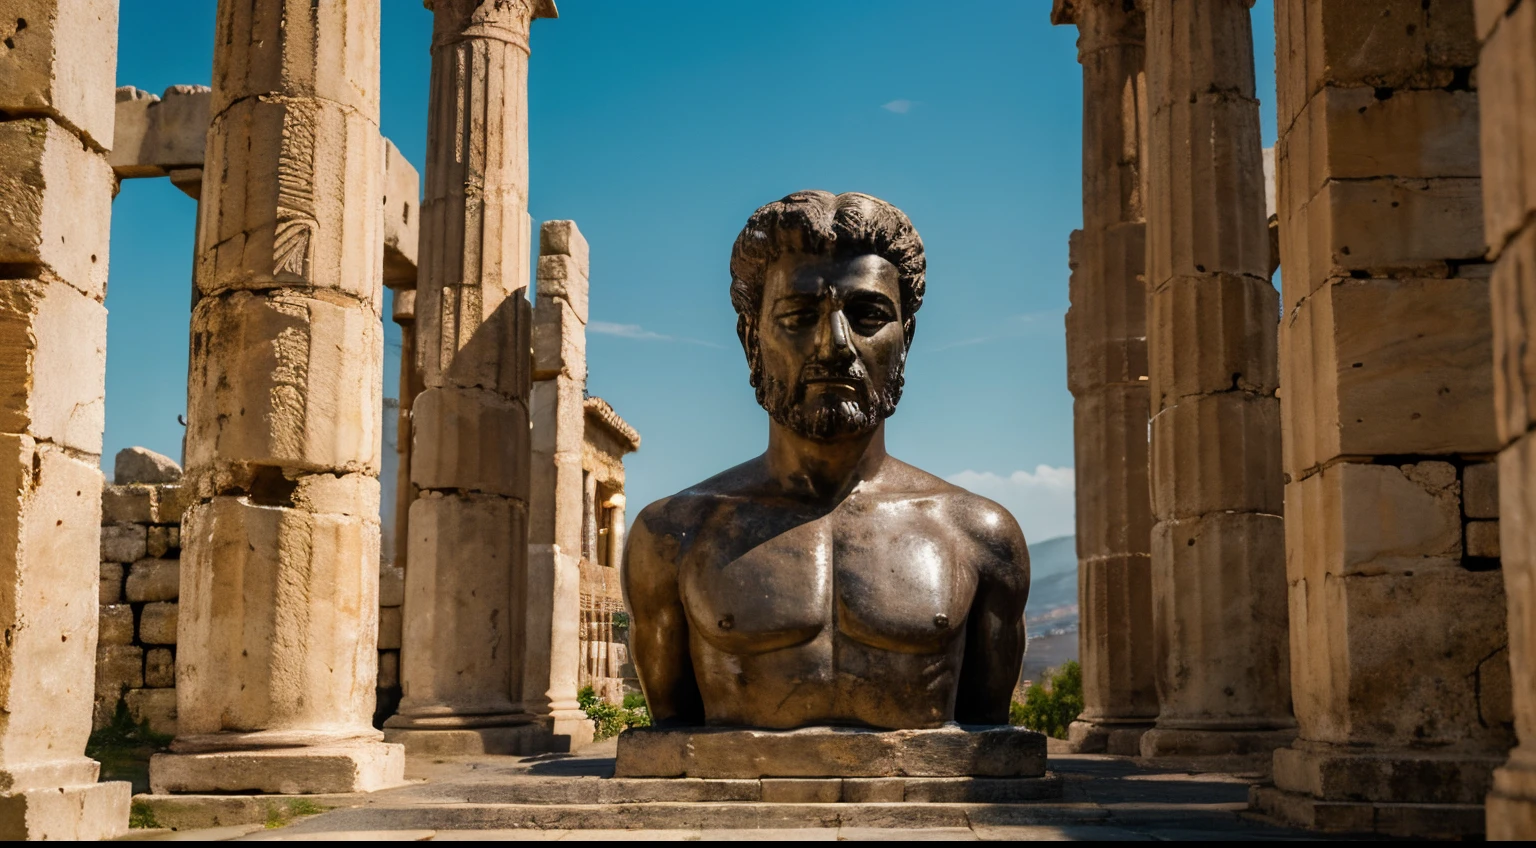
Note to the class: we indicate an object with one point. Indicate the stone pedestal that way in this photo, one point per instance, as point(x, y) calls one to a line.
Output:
point(464, 633)
point(56, 186)
point(824, 752)
point(278, 624)
point(1218, 576)
point(1508, 100)
point(1401, 676)
point(1107, 373)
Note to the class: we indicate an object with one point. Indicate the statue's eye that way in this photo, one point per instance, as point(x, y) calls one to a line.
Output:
point(867, 316)
point(798, 318)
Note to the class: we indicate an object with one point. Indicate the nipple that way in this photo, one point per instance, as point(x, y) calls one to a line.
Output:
point(941, 620)
point(728, 622)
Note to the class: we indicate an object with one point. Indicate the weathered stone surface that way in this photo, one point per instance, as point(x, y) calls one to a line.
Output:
point(171, 502)
point(1480, 490)
point(823, 790)
point(111, 585)
point(1234, 319)
point(55, 204)
point(118, 667)
point(291, 48)
point(128, 504)
point(60, 60)
point(389, 669)
point(391, 586)
point(1428, 777)
point(299, 204)
point(1380, 227)
point(950, 751)
point(154, 580)
point(1388, 366)
point(123, 542)
point(157, 707)
point(313, 770)
point(49, 536)
point(460, 577)
point(389, 628)
point(1483, 539)
point(1351, 133)
point(160, 670)
point(402, 217)
point(1508, 139)
point(559, 342)
point(1513, 318)
point(116, 627)
point(157, 135)
point(284, 660)
point(53, 343)
point(1115, 597)
point(142, 465)
point(1354, 518)
point(563, 279)
point(157, 623)
point(284, 380)
point(1106, 324)
point(1218, 598)
point(1401, 44)
point(158, 540)
point(89, 812)
point(1114, 517)
point(471, 441)
point(1217, 452)
point(564, 238)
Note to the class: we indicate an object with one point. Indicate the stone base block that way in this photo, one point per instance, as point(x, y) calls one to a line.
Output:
point(1390, 777)
point(1162, 742)
point(569, 734)
point(282, 771)
point(950, 751)
point(1415, 821)
point(1123, 740)
point(522, 740)
point(770, 790)
point(200, 812)
point(89, 812)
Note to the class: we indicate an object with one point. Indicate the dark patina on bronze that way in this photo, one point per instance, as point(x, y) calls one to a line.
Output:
point(826, 582)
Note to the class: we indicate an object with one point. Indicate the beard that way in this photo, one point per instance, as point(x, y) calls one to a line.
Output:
point(830, 419)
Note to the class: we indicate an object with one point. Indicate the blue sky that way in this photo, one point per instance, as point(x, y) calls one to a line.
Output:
point(659, 129)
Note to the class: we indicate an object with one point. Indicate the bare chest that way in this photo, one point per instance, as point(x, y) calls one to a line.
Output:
point(902, 586)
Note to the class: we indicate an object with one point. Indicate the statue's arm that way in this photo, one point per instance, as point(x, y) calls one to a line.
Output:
point(658, 631)
point(994, 638)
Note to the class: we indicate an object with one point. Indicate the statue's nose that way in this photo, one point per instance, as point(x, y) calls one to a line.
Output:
point(835, 345)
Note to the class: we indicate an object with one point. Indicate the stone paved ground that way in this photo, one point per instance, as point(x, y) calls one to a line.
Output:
point(485, 798)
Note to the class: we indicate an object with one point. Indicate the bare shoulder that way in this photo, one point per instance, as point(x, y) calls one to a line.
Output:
point(674, 521)
point(982, 519)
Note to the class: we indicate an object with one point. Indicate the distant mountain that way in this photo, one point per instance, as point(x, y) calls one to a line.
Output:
point(1053, 574)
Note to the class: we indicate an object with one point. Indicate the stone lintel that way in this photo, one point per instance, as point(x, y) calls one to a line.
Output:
point(724, 752)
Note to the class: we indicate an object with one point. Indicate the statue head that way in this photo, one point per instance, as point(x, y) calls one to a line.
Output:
point(826, 289)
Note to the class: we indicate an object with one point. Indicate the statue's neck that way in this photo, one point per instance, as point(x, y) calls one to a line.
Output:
point(824, 471)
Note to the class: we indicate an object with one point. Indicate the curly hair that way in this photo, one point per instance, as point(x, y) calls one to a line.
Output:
point(820, 222)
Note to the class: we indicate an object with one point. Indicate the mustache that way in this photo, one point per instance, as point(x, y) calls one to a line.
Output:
point(817, 372)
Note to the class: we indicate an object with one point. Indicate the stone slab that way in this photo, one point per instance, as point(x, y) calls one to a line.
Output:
point(1416, 821)
point(1168, 742)
point(522, 740)
point(283, 771)
point(197, 812)
point(950, 751)
point(83, 813)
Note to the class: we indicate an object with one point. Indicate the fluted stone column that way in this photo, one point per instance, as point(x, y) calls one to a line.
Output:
point(1218, 568)
point(276, 658)
point(56, 187)
point(1507, 89)
point(1107, 373)
point(1399, 669)
point(552, 659)
point(461, 656)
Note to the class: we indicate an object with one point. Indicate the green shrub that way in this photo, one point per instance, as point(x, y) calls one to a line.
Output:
point(610, 719)
point(124, 747)
point(1053, 703)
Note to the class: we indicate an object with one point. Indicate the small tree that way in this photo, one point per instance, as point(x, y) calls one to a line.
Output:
point(1053, 704)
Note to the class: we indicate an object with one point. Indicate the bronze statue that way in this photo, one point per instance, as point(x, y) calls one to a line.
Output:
point(827, 582)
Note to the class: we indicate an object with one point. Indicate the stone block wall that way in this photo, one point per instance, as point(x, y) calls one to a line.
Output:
point(140, 582)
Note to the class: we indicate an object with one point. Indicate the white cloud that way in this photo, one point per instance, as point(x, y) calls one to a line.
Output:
point(1042, 501)
point(635, 331)
point(900, 107)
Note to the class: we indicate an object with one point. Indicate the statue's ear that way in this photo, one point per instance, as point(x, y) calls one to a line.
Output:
point(908, 328)
point(746, 331)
